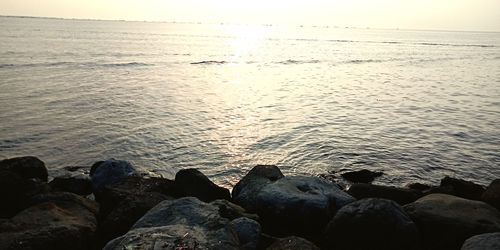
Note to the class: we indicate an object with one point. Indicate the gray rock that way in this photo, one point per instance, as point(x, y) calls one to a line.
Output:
point(299, 205)
point(446, 221)
point(492, 194)
point(27, 167)
point(191, 182)
point(292, 243)
point(188, 223)
point(463, 188)
point(488, 241)
point(400, 195)
point(77, 184)
point(56, 221)
point(372, 223)
point(110, 172)
point(246, 190)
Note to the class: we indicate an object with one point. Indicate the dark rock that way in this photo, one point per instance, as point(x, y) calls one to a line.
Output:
point(27, 167)
point(462, 188)
point(399, 195)
point(292, 243)
point(188, 223)
point(16, 192)
point(78, 184)
point(372, 224)
point(246, 190)
point(299, 205)
point(56, 221)
point(232, 211)
point(488, 241)
point(492, 194)
point(418, 187)
point(446, 221)
point(110, 172)
point(361, 176)
point(191, 182)
point(125, 202)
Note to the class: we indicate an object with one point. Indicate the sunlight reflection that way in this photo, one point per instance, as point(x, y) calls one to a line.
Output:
point(246, 40)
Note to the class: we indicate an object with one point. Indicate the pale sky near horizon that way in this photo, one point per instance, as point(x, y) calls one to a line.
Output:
point(480, 15)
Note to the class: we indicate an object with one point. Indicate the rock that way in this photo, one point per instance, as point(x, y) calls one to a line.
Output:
point(27, 167)
point(246, 190)
point(191, 182)
point(446, 221)
point(462, 188)
point(488, 241)
point(292, 243)
point(232, 211)
point(16, 192)
point(418, 186)
point(110, 172)
point(125, 202)
point(399, 195)
point(492, 194)
point(298, 205)
point(56, 221)
point(372, 223)
point(78, 184)
point(188, 223)
point(361, 176)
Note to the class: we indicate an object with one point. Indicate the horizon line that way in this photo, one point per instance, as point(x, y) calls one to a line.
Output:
point(260, 24)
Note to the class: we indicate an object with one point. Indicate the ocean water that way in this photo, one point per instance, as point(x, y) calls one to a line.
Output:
point(417, 105)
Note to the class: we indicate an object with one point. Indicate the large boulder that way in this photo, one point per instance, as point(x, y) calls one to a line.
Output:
point(446, 221)
point(246, 190)
point(492, 194)
point(78, 184)
point(399, 195)
point(487, 241)
point(292, 243)
point(361, 176)
point(298, 205)
point(372, 223)
point(462, 188)
point(188, 223)
point(17, 191)
point(27, 167)
point(56, 221)
point(191, 182)
point(109, 172)
point(125, 202)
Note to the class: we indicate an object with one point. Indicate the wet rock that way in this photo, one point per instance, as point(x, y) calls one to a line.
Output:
point(246, 190)
point(77, 184)
point(191, 182)
point(462, 188)
point(188, 223)
point(292, 243)
point(17, 191)
point(56, 221)
point(110, 172)
point(492, 194)
point(361, 176)
point(399, 195)
point(372, 224)
point(446, 221)
point(27, 167)
point(298, 205)
point(488, 241)
point(125, 202)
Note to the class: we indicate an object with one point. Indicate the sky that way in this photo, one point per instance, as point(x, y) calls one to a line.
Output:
point(472, 15)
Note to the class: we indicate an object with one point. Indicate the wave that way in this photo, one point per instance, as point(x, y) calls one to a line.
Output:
point(359, 61)
point(77, 64)
point(210, 62)
point(290, 61)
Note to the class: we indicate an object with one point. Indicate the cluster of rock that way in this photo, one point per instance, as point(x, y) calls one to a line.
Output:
point(114, 207)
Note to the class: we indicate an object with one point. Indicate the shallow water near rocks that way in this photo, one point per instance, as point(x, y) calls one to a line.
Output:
point(417, 105)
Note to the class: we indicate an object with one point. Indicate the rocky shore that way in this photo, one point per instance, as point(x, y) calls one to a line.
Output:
point(113, 206)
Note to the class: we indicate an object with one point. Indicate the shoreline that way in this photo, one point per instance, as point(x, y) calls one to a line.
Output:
point(116, 207)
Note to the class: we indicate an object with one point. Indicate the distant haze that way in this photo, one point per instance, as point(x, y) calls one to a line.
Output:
point(480, 15)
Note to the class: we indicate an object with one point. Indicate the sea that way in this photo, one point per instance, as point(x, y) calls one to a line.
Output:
point(417, 105)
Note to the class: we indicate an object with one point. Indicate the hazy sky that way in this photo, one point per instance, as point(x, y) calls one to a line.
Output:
point(419, 14)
